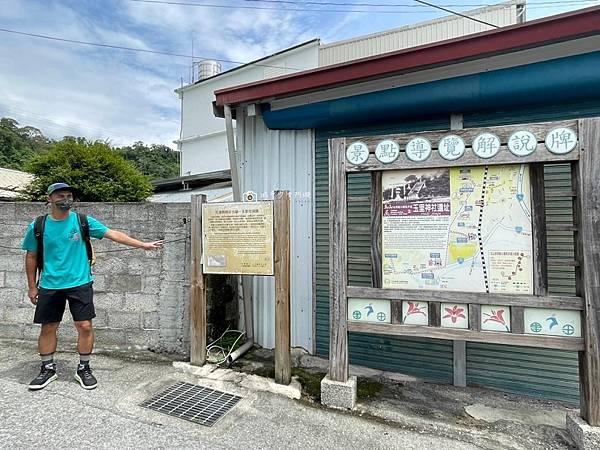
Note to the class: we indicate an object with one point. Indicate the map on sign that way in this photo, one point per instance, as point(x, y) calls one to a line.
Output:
point(458, 229)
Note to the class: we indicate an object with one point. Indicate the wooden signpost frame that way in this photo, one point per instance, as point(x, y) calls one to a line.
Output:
point(585, 196)
point(281, 255)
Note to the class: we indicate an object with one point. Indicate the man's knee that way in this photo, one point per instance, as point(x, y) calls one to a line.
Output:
point(49, 328)
point(84, 326)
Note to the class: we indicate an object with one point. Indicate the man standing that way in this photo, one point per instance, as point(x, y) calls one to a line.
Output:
point(65, 275)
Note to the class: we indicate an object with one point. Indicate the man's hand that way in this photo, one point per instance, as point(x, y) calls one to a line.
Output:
point(33, 295)
point(156, 245)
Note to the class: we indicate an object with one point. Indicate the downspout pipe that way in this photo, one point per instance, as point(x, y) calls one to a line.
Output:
point(246, 281)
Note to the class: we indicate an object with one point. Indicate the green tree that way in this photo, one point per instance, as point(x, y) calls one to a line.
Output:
point(19, 144)
point(155, 161)
point(94, 168)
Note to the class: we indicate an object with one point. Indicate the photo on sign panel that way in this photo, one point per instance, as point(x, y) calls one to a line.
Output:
point(217, 261)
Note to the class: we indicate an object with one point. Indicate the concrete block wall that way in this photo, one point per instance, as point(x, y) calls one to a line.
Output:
point(141, 298)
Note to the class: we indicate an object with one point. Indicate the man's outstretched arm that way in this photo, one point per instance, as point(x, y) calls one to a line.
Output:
point(122, 238)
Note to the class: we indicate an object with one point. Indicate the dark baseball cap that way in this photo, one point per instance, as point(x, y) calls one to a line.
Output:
point(60, 187)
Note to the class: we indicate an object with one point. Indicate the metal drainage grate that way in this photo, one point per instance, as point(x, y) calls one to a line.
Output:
point(197, 404)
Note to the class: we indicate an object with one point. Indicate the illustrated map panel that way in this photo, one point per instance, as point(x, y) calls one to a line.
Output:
point(458, 229)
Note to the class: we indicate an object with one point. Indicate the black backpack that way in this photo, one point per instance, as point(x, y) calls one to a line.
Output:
point(84, 227)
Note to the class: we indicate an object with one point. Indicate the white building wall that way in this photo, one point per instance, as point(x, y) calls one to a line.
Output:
point(270, 160)
point(450, 27)
point(203, 154)
point(203, 142)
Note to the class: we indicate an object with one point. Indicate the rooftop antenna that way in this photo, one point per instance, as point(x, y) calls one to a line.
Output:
point(193, 78)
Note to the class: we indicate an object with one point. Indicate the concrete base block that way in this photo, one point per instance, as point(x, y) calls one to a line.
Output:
point(212, 373)
point(585, 436)
point(336, 394)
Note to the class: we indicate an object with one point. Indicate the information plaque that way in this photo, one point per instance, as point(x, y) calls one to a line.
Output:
point(238, 238)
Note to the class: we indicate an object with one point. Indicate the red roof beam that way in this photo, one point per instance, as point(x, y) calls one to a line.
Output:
point(552, 29)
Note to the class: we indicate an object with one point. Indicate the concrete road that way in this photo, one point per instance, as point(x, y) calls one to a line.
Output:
point(64, 415)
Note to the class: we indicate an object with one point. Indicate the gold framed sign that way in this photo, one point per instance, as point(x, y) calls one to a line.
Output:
point(237, 238)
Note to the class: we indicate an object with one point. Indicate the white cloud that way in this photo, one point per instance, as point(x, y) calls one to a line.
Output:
point(71, 89)
point(125, 96)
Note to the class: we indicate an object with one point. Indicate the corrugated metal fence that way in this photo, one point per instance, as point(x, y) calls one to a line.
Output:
point(271, 160)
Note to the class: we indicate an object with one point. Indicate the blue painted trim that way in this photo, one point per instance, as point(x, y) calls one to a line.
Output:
point(566, 80)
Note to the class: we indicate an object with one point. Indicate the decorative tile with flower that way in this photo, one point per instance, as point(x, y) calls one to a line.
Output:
point(455, 315)
point(495, 318)
point(415, 313)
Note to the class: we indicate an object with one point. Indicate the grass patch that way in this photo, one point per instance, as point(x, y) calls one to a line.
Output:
point(226, 344)
point(368, 389)
point(254, 363)
point(264, 371)
point(311, 383)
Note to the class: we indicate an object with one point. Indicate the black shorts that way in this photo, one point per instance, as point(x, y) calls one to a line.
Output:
point(51, 304)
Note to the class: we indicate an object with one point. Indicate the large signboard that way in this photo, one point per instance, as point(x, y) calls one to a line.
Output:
point(238, 238)
point(458, 229)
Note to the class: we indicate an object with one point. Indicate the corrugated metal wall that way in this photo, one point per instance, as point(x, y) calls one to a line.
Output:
point(534, 371)
point(271, 160)
point(419, 34)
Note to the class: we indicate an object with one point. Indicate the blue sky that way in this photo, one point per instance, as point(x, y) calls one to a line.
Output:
point(123, 96)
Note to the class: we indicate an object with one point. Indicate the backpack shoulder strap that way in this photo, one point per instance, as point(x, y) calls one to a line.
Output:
point(84, 227)
point(38, 231)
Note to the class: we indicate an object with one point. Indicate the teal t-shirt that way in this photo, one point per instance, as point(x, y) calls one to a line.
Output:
point(65, 258)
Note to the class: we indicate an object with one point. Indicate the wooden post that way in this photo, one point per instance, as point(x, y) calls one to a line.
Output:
point(281, 225)
point(396, 311)
point(376, 210)
point(517, 319)
point(578, 256)
point(540, 241)
point(338, 262)
point(198, 288)
point(589, 205)
point(474, 317)
point(435, 314)
point(459, 353)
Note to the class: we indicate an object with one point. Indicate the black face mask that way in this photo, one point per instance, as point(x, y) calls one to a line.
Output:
point(64, 205)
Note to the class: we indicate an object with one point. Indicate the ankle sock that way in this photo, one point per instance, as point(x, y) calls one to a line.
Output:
point(47, 358)
point(84, 359)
